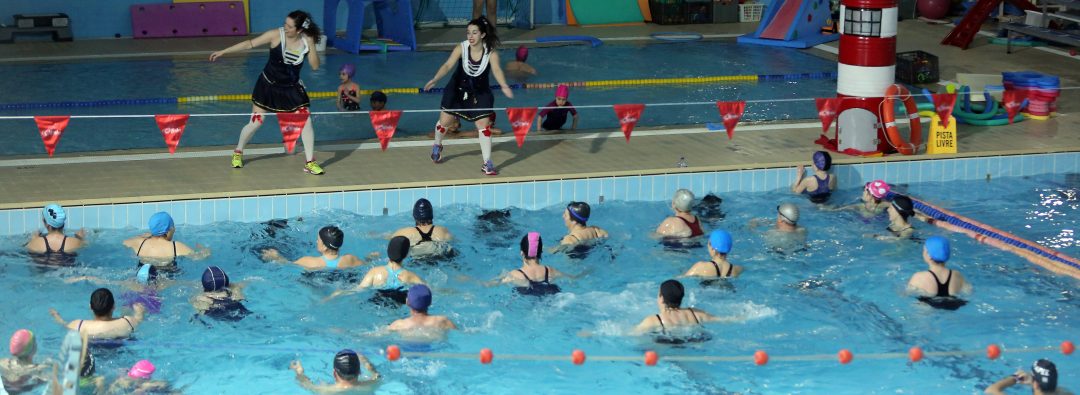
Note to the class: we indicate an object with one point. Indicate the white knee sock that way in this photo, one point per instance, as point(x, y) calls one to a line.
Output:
point(307, 136)
point(485, 144)
point(249, 130)
point(440, 132)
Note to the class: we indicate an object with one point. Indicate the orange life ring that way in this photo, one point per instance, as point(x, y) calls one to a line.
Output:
point(888, 119)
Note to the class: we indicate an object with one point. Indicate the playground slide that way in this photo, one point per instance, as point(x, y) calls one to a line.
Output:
point(780, 23)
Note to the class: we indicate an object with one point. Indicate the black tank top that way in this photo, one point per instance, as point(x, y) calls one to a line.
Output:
point(278, 72)
point(942, 288)
point(538, 288)
point(467, 83)
point(729, 269)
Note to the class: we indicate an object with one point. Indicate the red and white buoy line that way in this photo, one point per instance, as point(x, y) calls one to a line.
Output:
point(760, 357)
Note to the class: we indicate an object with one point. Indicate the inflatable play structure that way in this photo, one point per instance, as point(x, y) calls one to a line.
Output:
point(592, 12)
point(795, 24)
point(393, 19)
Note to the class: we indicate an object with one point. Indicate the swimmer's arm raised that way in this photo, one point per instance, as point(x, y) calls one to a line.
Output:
point(797, 186)
point(140, 313)
point(370, 368)
point(301, 378)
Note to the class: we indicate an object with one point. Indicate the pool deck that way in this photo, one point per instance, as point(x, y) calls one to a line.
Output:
point(203, 172)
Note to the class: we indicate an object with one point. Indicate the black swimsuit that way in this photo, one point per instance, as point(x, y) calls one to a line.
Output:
point(538, 288)
point(170, 266)
point(899, 233)
point(52, 257)
point(943, 300)
point(730, 269)
point(226, 309)
point(425, 236)
point(667, 338)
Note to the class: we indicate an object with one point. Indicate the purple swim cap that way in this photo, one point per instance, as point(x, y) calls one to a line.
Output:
point(522, 53)
point(349, 69)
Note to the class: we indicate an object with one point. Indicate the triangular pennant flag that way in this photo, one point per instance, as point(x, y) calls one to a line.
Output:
point(730, 112)
point(943, 106)
point(1011, 101)
point(292, 123)
point(172, 127)
point(385, 123)
point(51, 128)
point(628, 114)
point(521, 120)
point(826, 111)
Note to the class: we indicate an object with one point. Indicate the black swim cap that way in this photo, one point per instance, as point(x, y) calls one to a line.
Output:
point(214, 279)
point(347, 364)
point(378, 96)
point(579, 212)
point(398, 249)
point(903, 206)
point(421, 211)
point(101, 301)
point(672, 291)
point(332, 237)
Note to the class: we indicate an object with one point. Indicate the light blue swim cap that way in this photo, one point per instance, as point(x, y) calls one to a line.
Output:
point(720, 240)
point(938, 248)
point(54, 215)
point(160, 223)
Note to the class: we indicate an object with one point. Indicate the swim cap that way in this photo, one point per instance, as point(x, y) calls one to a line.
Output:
point(878, 189)
point(562, 91)
point(579, 211)
point(522, 53)
point(142, 370)
point(23, 344)
point(532, 245)
point(938, 248)
point(822, 160)
point(147, 274)
point(672, 291)
point(331, 237)
point(683, 200)
point(902, 204)
point(378, 96)
point(214, 279)
point(1045, 375)
point(54, 215)
point(348, 68)
point(347, 364)
point(419, 298)
point(421, 211)
point(789, 212)
point(720, 240)
point(398, 249)
point(160, 223)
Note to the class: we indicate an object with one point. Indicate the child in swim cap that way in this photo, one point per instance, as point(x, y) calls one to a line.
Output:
point(348, 91)
point(517, 69)
point(556, 117)
point(377, 101)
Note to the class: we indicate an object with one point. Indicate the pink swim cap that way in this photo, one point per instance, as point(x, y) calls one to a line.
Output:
point(22, 344)
point(534, 244)
point(522, 53)
point(878, 189)
point(142, 370)
point(562, 91)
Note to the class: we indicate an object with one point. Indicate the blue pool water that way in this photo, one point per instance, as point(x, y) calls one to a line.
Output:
point(136, 79)
point(843, 291)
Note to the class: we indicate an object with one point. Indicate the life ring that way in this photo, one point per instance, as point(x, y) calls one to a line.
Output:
point(888, 118)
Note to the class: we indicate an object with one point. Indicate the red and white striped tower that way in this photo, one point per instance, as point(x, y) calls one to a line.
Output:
point(867, 66)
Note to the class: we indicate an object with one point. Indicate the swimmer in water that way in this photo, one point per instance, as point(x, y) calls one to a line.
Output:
point(388, 280)
point(221, 299)
point(717, 266)
point(55, 248)
point(684, 223)
point(144, 288)
point(104, 326)
point(419, 321)
point(786, 235)
point(140, 380)
point(346, 374)
point(348, 91)
point(554, 115)
point(425, 238)
point(329, 245)
point(533, 278)
point(20, 374)
point(820, 184)
point(576, 218)
point(928, 285)
point(872, 201)
point(900, 212)
point(672, 314)
point(377, 101)
point(517, 69)
point(158, 247)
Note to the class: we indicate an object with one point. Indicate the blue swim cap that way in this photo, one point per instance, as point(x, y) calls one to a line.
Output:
point(822, 160)
point(54, 215)
point(214, 279)
point(419, 297)
point(160, 223)
point(720, 240)
point(146, 274)
point(938, 248)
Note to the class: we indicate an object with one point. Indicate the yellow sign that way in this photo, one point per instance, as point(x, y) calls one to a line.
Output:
point(942, 140)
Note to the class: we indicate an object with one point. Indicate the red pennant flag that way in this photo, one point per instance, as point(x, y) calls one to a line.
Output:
point(628, 114)
point(172, 127)
point(292, 123)
point(943, 106)
point(385, 123)
point(1011, 101)
point(826, 111)
point(730, 112)
point(521, 120)
point(51, 128)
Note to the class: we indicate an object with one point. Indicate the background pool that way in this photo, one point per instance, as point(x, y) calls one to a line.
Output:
point(190, 76)
point(843, 291)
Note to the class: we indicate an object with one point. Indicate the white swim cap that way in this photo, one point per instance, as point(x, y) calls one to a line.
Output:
point(788, 212)
point(683, 200)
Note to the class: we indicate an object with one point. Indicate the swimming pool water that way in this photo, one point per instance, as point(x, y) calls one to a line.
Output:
point(194, 76)
point(842, 291)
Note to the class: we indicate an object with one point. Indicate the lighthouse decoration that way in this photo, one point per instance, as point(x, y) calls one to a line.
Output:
point(866, 68)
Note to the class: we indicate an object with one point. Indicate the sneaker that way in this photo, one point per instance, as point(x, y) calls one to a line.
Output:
point(313, 168)
point(436, 153)
point(489, 169)
point(237, 160)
